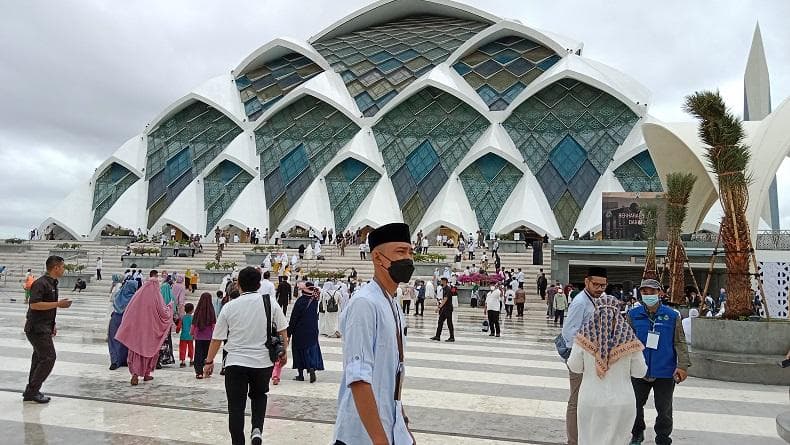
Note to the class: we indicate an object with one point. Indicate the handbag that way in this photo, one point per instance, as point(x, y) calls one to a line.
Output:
point(562, 348)
point(274, 342)
point(331, 304)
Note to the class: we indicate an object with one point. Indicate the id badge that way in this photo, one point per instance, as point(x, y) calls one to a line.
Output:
point(652, 340)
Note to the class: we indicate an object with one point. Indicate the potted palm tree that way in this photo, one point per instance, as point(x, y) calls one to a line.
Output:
point(734, 348)
point(679, 187)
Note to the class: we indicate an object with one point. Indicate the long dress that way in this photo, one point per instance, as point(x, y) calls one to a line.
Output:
point(606, 409)
point(328, 321)
point(303, 329)
point(120, 300)
point(145, 324)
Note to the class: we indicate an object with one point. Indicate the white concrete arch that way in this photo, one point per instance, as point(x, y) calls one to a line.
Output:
point(339, 158)
point(362, 147)
point(506, 28)
point(607, 79)
point(384, 11)
point(439, 78)
point(181, 227)
point(674, 148)
point(378, 208)
point(113, 160)
point(277, 48)
point(184, 102)
point(327, 87)
point(528, 224)
point(527, 205)
point(495, 140)
point(239, 152)
point(450, 204)
point(249, 208)
point(55, 221)
point(131, 154)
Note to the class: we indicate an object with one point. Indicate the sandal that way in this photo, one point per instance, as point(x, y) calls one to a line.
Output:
point(275, 380)
point(135, 380)
point(199, 376)
point(147, 378)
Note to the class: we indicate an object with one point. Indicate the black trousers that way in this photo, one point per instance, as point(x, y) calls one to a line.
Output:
point(98, 274)
point(493, 322)
point(509, 309)
point(520, 309)
point(201, 351)
point(406, 306)
point(559, 315)
point(445, 316)
point(241, 382)
point(41, 363)
point(663, 390)
point(419, 306)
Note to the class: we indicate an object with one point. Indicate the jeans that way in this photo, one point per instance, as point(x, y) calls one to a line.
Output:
point(419, 306)
point(559, 315)
point(448, 316)
point(240, 382)
point(663, 390)
point(520, 309)
point(406, 306)
point(493, 322)
point(509, 310)
point(201, 351)
point(41, 363)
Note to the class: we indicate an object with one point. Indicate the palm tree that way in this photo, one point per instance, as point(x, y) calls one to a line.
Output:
point(679, 186)
point(649, 228)
point(728, 158)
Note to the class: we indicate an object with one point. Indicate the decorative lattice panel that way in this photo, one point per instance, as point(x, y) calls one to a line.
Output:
point(422, 140)
point(110, 185)
point(500, 70)
point(180, 148)
point(567, 134)
point(221, 187)
point(262, 87)
point(294, 145)
point(639, 174)
point(378, 62)
point(348, 184)
point(488, 183)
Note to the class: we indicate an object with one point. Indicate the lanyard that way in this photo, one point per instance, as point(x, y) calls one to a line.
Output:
point(399, 336)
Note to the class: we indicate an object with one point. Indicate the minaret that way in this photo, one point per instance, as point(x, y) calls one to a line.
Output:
point(757, 106)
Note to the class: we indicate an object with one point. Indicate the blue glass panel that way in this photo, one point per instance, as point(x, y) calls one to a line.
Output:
point(490, 165)
point(520, 66)
point(177, 165)
point(488, 68)
point(462, 68)
point(390, 65)
point(422, 160)
point(551, 182)
point(488, 94)
point(380, 57)
point(583, 183)
point(568, 157)
point(432, 184)
point(293, 163)
point(506, 56)
point(296, 189)
point(407, 55)
point(645, 162)
point(352, 168)
point(227, 170)
point(273, 187)
point(404, 184)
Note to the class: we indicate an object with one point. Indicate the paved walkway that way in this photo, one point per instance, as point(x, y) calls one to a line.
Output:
point(479, 390)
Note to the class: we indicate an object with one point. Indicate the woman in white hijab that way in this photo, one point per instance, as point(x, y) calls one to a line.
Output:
point(283, 264)
point(330, 300)
point(267, 263)
point(309, 252)
point(693, 313)
point(317, 248)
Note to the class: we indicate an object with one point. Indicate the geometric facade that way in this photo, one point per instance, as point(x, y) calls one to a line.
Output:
point(378, 62)
point(499, 71)
point(568, 133)
point(347, 185)
point(488, 183)
point(110, 185)
point(179, 149)
point(221, 187)
point(422, 141)
point(639, 174)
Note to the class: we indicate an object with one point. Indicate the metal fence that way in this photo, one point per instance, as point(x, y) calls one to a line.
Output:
point(773, 240)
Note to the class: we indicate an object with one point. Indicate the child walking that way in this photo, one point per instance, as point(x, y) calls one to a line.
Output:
point(202, 330)
point(185, 345)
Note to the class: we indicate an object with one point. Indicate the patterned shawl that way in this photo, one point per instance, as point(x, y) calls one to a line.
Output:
point(607, 336)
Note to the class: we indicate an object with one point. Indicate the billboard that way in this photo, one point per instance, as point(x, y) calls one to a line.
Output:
point(622, 216)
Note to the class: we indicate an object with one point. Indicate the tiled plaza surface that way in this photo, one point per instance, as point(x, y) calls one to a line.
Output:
point(479, 390)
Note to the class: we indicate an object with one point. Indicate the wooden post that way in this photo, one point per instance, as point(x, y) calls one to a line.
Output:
point(710, 268)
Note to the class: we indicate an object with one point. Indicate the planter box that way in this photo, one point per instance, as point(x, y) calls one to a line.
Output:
point(142, 262)
point(69, 253)
point(117, 240)
point(169, 251)
point(294, 243)
point(739, 351)
point(66, 282)
point(465, 296)
point(506, 246)
point(256, 258)
point(212, 276)
point(426, 269)
point(14, 248)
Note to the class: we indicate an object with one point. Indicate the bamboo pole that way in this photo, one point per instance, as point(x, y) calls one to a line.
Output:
point(710, 268)
point(759, 281)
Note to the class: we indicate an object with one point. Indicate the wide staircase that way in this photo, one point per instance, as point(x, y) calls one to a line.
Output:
point(34, 258)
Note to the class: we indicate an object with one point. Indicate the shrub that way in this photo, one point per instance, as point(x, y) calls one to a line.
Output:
point(429, 258)
point(74, 267)
point(225, 265)
point(260, 249)
point(67, 246)
point(327, 275)
point(14, 241)
point(145, 251)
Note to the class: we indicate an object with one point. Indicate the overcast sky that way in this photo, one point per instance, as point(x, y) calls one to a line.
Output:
point(80, 77)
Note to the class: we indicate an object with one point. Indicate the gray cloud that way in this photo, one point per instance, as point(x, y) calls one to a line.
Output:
point(78, 78)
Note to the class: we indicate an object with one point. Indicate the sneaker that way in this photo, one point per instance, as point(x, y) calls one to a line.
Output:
point(38, 398)
point(256, 437)
point(450, 340)
point(637, 439)
point(435, 339)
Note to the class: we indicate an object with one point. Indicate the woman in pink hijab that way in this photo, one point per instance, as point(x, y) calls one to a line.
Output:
point(179, 295)
point(145, 325)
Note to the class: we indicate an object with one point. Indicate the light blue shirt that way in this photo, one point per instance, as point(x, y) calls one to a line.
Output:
point(579, 312)
point(370, 354)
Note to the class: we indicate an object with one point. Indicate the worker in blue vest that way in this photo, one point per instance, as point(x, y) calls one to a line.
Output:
point(660, 329)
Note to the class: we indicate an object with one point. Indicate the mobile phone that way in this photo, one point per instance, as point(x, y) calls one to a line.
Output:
point(785, 363)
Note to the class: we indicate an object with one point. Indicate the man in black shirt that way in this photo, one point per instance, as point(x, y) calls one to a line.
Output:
point(284, 294)
point(40, 327)
point(445, 313)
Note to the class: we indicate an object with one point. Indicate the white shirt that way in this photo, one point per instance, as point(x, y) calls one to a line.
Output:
point(243, 323)
point(267, 287)
point(98, 264)
point(429, 290)
point(510, 294)
point(425, 242)
point(494, 300)
point(222, 240)
point(520, 277)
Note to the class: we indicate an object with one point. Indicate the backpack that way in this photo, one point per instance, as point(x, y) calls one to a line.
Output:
point(331, 304)
point(28, 282)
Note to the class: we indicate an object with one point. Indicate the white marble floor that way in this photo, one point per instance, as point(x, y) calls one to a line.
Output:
point(478, 390)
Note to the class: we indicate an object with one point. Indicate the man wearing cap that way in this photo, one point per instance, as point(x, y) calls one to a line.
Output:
point(445, 312)
point(580, 311)
point(660, 329)
point(369, 409)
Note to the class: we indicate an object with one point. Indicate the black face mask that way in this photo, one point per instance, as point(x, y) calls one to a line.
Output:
point(401, 270)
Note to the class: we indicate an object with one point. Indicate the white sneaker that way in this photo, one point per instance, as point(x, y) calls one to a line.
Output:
point(256, 437)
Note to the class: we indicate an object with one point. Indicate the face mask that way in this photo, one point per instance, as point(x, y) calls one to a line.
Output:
point(650, 300)
point(401, 270)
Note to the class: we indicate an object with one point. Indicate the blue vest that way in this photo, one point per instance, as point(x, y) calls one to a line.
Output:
point(661, 362)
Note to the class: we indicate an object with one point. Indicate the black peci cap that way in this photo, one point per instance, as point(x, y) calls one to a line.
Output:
point(389, 233)
point(597, 272)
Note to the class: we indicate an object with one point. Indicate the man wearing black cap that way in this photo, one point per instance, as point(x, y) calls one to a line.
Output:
point(579, 313)
point(445, 312)
point(369, 409)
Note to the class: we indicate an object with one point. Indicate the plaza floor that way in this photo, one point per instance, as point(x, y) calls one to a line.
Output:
point(479, 390)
